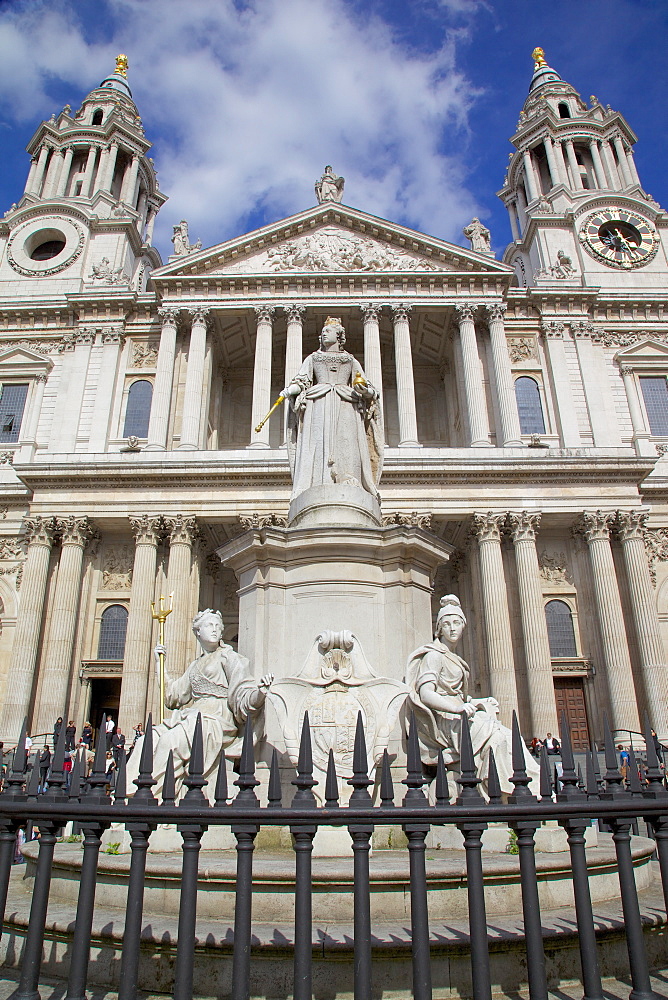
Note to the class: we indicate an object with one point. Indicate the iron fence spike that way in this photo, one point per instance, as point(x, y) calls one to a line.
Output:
point(331, 782)
point(493, 783)
point(441, 787)
point(386, 783)
point(169, 781)
point(546, 787)
point(220, 794)
point(274, 792)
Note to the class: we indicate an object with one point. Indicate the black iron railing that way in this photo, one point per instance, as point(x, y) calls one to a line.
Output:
point(573, 806)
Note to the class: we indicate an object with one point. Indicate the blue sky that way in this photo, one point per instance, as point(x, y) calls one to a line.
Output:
point(412, 101)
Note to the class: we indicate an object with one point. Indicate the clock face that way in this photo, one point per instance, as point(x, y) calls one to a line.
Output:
point(619, 238)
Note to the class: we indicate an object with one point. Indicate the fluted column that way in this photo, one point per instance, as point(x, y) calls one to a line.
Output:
point(621, 159)
point(52, 173)
point(630, 159)
point(403, 363)
point(262, 376)
point(372, 358)
point(524, 527)
point(130, 181)
point(138, 659)
point(19, 689)
point(61, 189)
point(158, 424)
point(109, 167)
point(598, 163)
point(75, 532)
point(551, 161)
point(31, 175)
point(553, 331)
point(183, 532)
point(38, 175)
point(192, 396)
point(573, 164)
point(558, 149)
point(510, 435)
point(631, 526)
point(487, 528)
point(610, 165)
point(473, 387)
point(530, 176)
point(595, 526)
point(294, 350)
point(89, 172)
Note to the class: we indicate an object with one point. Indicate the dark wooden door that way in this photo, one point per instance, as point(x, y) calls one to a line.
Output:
point(569, 695)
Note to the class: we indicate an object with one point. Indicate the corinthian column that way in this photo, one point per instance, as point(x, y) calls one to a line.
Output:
point(631, 526)
point(403, 363)
point(164, 382)
point(294, 351)
point(183, 532)
point(524, 527)
point(372, 360)
point(75, 533)
point(511, 436)
point(192, 396)
point(18, 693)
point(595, 526)
point(137, 662)
point(487, 528)
point(474, 389)
point(262, 376)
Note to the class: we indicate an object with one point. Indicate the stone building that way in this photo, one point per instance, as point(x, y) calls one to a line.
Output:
point(525, 405)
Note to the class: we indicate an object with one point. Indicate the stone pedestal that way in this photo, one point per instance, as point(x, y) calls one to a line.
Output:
point(294, 582)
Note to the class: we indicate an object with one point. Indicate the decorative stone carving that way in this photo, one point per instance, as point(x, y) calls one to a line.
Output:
point(631, 523)
point(438, 683)
point(76, 530)
point(257, 521)
point(182, 529)
point(294, 312)
point(38, 346)
point(336, 683)
point(330, 249)
point(594, 525)
point(661, 449)
point(169, 314)
point(6, 457)
point(67, 344)
point(181, 240)
point(488, 527)
point(371, 311)
point(524, 526)
point(544, 206)
point(329, 187)
point(522, 349)
point(478, 235)
point(554, 568)
point(264, 314)
point(12, 548)
point(401, 311)
point(108, 275)
point(114, 335)
point(40, 530)
point(582, 328)
point(465, 311)
point(552, 329)
point(626, 339)
point(200, 314)
point(144, 354)
point(562, 268)
point(656, 544)
point(117, 568)
point(212, 566)
point(147, 529)
point(414, 519)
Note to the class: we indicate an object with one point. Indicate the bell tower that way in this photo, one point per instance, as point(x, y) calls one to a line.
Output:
point(91, 198)
point(578, 211)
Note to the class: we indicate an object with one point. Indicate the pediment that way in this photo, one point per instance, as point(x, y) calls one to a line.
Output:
point(22, 361)
point(647, 351)
point(330, 240)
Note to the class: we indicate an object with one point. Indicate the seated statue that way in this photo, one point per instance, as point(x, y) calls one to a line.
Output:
point(438, 684)
point(219, 686)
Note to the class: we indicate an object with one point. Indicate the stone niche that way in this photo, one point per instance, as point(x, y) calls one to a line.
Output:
point(294, 582)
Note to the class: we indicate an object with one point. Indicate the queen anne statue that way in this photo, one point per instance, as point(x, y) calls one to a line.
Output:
point(335, 432)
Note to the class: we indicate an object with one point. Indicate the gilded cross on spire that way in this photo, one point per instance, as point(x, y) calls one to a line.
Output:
point(122, 65)
point(538, 56)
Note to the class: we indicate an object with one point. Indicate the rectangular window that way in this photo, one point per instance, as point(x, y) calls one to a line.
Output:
point(655, 395)
point(12, 403)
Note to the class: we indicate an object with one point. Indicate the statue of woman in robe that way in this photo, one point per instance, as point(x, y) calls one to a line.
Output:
point(438, 683)
point(335, 432)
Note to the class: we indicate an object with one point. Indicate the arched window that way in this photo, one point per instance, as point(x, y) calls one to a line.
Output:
point(560, 632)
point(97, 117)
point(113, 626)
point(138, 409)
point(564, 111)
point(529, 406)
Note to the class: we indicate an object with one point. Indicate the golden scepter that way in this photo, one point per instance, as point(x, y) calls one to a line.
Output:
point(161, 616)
point(274, 407)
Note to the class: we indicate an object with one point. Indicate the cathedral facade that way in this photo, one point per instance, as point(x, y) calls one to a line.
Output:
point(525, 408)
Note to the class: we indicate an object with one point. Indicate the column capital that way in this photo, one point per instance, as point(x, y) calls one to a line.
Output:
point(401, 311)
point(523, 526)
point(169, 315)
point(582, 328)
point(625, 370)
point(182, 529)
point(631, 524)
point(465, 311)
point(85, 336)
point(371, 310)
point(40, 530)
point(294, 312)
point(146, 529)
point(496, 310)
point(114, 335)
point(488, 527)
point(76, 530)
point(41, 377)
point(200, 314)
point(594, 525)
point(264, 314)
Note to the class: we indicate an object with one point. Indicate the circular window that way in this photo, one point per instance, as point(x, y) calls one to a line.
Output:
point(47, 250)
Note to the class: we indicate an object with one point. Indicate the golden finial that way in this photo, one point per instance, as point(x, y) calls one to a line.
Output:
point(121, 65)
point(538, 56)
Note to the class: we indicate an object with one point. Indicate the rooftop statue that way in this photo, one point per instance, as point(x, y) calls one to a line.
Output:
point(329, 187)
point(479, 236)
point(335, 430)
point(219, 686)
point(438, 683)
point(181, 240)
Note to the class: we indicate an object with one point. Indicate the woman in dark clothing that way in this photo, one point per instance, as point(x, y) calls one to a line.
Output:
point(87, 734)
point(57, 726)
point(70, 735)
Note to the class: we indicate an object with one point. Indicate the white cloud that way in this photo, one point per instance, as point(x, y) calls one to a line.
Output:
point(246, 104)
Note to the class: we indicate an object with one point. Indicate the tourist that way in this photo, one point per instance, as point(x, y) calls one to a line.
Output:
point(552, 744)
point(536, 746)
point(28, 743)
point(57, 726)
point(87, 734)
point(624, 761)
point(70, 735)
point(67, 769)
point(118, 745)
point(109, 728)
point(44, 766)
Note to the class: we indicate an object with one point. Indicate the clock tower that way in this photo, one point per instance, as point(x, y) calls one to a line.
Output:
point(578, 210)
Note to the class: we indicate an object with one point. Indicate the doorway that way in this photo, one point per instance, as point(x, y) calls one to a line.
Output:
point(570, 698)
point(105, 698)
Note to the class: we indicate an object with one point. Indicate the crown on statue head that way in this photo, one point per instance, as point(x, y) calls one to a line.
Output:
point(333, 321)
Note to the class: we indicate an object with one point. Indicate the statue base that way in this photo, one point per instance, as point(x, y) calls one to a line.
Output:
point(323, 506)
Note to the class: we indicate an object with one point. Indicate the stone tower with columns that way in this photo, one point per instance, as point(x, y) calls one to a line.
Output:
point(525, 411)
